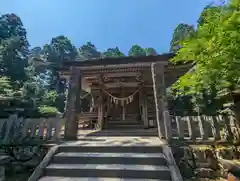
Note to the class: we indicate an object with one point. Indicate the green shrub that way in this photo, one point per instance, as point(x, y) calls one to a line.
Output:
point(48, 111)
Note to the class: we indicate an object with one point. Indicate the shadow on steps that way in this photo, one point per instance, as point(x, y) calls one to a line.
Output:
point(124, 132)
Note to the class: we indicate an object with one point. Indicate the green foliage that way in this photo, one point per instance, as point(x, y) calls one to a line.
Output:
point(150, 51)
point(88, 51)
point(49, 98)
point(45, 62)
point(136, 51)
point(180, 105)
point(207, 12)
point(30, 89)
point(60, 49)
point(112, 52)
point(38, 61)
point(181, 32)
point(29, 78)
point(48, 110)
point(13, 48)
point(215, 51)
point(52, 55)
point(5, 87)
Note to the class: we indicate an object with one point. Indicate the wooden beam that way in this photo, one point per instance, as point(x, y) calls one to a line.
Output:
point(120, 60)
point(125, 74)
point(122, 84)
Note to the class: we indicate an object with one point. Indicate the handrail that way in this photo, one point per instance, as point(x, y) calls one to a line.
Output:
point(155, 96)
point(39, 171)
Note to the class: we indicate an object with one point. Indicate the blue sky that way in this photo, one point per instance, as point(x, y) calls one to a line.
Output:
point(106, 23)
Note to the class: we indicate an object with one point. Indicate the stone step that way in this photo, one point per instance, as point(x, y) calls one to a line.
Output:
point(116, 132)
point(111, 149)
point(126, 126)
point(126, 117)
point(94, 179)
point(126, 122)
point(110, 158)
point(109, 170)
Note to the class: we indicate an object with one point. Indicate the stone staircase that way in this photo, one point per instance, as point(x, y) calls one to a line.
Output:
point(115, 161)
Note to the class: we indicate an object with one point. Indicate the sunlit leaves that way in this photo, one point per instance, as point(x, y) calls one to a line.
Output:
point(215, 50)
point(215, 53)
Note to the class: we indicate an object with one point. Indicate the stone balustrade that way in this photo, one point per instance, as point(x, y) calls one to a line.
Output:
point(204, 128)
point(44, 128)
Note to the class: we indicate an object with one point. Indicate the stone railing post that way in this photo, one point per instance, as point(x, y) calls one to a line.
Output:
point(10, 122)
point(3, 162)
point(216, 128)
point(202, 127)
point(180, 127)
point(191, 127)
point(57, 126)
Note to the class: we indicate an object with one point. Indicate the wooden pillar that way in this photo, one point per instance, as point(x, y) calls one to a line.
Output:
point(123, 108)
point(73, 104)
point(145, 109)
point(108, 109)
point(92, 104)
point(162, 114)
point(141, 107)
point(100, 111)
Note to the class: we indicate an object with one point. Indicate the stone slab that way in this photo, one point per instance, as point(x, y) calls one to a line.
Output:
point(117, 141)
point(109, 167)
point(4, 159)
point(93, 179)
point(128, 155)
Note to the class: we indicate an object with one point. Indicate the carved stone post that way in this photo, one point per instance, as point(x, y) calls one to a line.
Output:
point(162, 114)
point(73, 104)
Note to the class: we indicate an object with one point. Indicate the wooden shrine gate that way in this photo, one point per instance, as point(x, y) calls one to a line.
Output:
point(129, 86)
point(124, 85)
